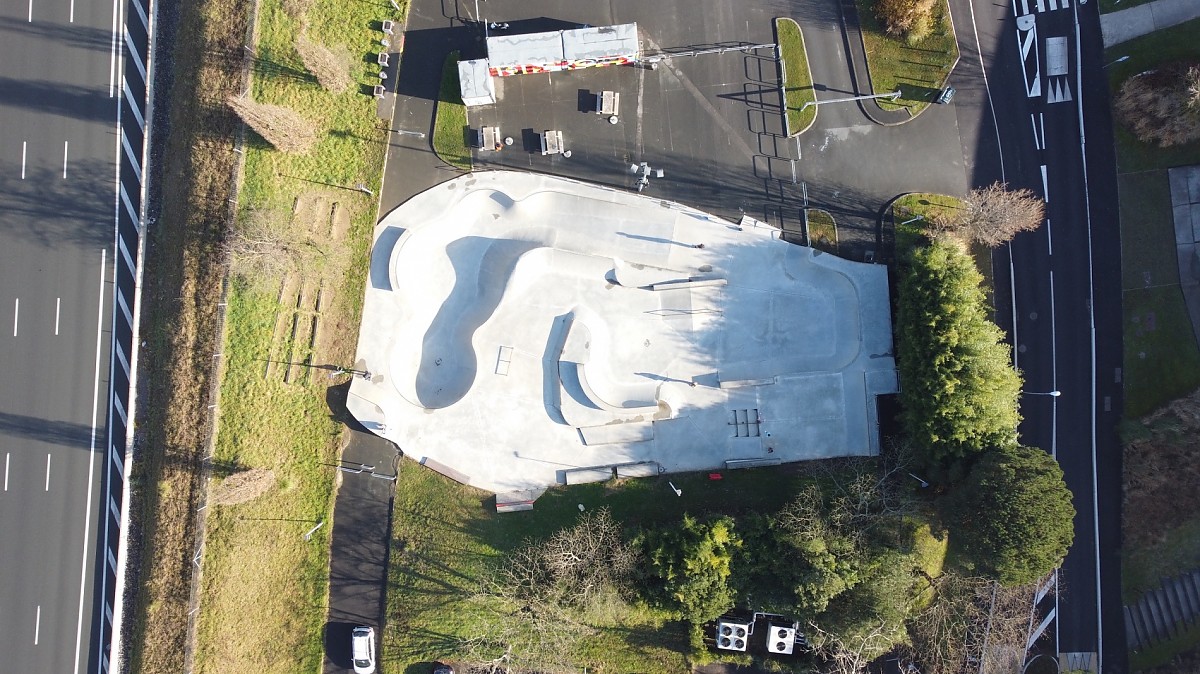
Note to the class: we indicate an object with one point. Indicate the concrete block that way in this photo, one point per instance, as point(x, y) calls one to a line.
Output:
point(587, 475)
point(646, 469)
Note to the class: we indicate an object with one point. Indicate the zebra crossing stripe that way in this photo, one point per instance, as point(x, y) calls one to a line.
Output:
point(141, 14)
point(112, 561)
point(133, 159)
point(121, 357)
point(125, 251)
point(1041, 5)
point(134, 106)
point(132, 216)
point(113, 510)
point(116, 459)
point(120, 410)
point(124, 307)
point(133, 52)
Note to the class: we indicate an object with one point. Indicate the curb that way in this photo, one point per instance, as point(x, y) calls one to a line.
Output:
point(880, 116)
point(787, 128)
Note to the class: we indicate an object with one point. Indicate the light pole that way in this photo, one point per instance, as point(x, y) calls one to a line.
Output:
point(893, 96)
point(677, 490)
point(1052, 394)
point(1123, 58)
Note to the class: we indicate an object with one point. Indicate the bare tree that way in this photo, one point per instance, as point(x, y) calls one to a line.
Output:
point(993, 215)
point(282, 127)
point(331, 68)
point(1162, 106)
point(849, 656)
point(536, 605)
point(268, 244)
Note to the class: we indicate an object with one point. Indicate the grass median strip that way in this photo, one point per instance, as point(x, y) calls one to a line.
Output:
point(919, 70)
point(450, 123)
point(799, 95)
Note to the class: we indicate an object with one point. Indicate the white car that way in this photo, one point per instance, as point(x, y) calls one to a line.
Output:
point(362, 650)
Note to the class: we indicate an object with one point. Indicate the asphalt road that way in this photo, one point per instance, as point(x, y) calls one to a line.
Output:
point(1057, 290)
point(57, 171)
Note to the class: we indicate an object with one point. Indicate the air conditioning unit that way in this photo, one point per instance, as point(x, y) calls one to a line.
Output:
point(732, 636)
point(781, 639)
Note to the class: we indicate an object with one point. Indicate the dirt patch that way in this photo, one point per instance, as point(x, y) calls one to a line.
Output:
point(1162, 471)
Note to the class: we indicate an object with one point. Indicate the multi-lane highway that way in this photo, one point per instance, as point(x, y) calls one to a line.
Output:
point(1057, 289)
point(60, 88)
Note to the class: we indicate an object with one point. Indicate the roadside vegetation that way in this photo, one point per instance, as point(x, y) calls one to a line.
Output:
point(1160, 527)
point(910, 46)
point(450, 122)
point(799, 96)
point(303, 212)
point(822, 230)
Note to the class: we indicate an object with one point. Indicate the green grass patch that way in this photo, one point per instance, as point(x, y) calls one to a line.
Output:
point(799, 95)
point(1162, 653)
point(822, 230)
point(918, 71)
point(1161, 358)
point(1145, 53)
point(450, 123)
point(913, 211)
point(1148, 253)
point(264, 588)
point(1143, 568)
point(929, 552)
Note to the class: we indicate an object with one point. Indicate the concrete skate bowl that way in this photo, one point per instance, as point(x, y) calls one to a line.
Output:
point(593, 394)
point(433, 361)
point(813, 326)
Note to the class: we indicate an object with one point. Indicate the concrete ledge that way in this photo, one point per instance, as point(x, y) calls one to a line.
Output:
point(646, 469)
point(516, 501)
point(445, 470)
point(616, 433)
point(587, 475)
point(740, 383)
point(732, 464)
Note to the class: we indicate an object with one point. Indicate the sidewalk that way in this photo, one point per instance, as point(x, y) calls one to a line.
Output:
point(1127, 24)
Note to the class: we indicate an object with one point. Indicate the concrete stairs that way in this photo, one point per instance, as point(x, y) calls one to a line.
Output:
point(1164, 612)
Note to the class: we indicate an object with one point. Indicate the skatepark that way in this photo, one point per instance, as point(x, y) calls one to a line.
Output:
point(522, 331)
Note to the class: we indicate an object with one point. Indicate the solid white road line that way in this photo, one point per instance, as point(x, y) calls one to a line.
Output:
point(16, 315)
point(30, 11)
point(72, 20)
point(1053, 370)
point(1042, 123)
point(87, 521)
point(37, 626)
point(112, 64)
point(24, 147)
point(47, 472)
point(7, 458)
point(1045, 186)
point(1049, 239)
point(65, 143)
point(57, 311)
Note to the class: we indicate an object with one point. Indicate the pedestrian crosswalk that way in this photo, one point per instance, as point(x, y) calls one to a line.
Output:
point(1023, 7)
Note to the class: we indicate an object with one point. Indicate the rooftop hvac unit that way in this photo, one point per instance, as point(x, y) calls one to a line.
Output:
point(732, 636)
point(781, 639)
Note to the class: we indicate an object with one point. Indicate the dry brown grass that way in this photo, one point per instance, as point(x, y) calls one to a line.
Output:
point(1162, 472)
point(1161, 106)
point(241, 487)
point(181, 290)
point(285, 129)
point(331, 68)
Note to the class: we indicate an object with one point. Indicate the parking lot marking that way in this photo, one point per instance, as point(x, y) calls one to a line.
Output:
point(65, 144)
point(57, 311)
point(24, 148)
point(16, 314)
point(7, 458)
point(37, 626)
point(47, 472)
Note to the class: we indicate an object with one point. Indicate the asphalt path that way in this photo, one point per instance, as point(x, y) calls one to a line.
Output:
point(57, 172)
point(1057, 292)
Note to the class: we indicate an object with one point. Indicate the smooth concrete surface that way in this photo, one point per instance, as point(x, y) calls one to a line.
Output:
point(1127, 24)
point(521, 313)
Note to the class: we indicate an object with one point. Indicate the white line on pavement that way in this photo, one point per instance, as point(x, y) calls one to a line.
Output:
point(1049, 239)
point(7, 458)
point(112, 64)
point(1037, 144)
point(72, 19)
point(47, 472)
point(16, 315)
point(65, 143)
point(1045, 186)
point(87, 521)
point(37, 626)
point(1053, 370)
point(30, 11)
point(57, 311)
point(1042, 123)
point(24, 147)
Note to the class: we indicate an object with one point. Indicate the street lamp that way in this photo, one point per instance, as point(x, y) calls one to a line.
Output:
point(1052, 394)
point(1123, 58)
